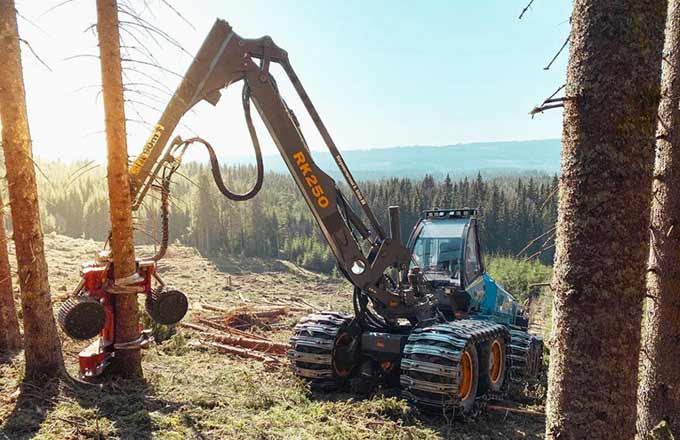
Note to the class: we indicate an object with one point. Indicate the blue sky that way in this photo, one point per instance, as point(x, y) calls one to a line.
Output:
point(381, 73)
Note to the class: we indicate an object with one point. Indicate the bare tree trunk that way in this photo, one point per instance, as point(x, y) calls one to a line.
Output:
point(602, 232)
point(42, 346)
point(659, 392)
point(122, 244)
point(10, 336)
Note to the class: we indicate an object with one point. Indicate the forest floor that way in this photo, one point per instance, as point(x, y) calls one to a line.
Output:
point(191, 391)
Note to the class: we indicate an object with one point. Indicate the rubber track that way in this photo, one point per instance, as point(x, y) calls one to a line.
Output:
point(430, 364)
point(526, 355)
point(312, 343)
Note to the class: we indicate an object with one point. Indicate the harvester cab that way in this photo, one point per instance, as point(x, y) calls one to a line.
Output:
point(445, 244)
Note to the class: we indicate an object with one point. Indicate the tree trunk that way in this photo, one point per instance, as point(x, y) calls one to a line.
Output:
point(659, 392)
point(122, 244)
point(10, 337)
point(42, 346)
point(602, 232)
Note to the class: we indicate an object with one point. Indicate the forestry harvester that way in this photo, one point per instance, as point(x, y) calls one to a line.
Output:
point(427, 318)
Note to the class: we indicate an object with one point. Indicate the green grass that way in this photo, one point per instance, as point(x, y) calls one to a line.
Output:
point(517, 275)
point(191, 392)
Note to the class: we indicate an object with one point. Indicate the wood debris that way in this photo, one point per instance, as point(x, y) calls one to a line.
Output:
point(247, 316)
point(270, 347)
point(244, 352)
point(229, 330)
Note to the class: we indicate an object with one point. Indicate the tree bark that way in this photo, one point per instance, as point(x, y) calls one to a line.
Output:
point(10, 336)
point(659, 391)
point(42, 346)
point(602, 232)
point(122, 244)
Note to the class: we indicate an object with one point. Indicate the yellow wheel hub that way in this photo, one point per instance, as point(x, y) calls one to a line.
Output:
point(466, 376)
point(496, 364)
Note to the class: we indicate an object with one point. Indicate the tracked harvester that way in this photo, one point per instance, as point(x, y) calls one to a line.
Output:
point(427, 318)
point(468, 345)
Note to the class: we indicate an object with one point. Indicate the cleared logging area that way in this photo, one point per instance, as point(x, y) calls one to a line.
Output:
point(193, 390)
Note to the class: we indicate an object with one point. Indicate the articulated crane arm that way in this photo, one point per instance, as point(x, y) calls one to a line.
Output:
point(224, 59)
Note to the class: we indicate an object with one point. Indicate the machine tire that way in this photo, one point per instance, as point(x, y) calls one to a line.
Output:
point(468, 394)
point(323, 351)
point(81, 317)
point(493, 365)
point(526, 356)
point(440, 367)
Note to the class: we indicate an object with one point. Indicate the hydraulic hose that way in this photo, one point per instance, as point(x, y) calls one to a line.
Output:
point(165, 226)
point(215, 164)
point(217, 173)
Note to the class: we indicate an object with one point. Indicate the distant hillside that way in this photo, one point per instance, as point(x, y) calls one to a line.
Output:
point(457, 160)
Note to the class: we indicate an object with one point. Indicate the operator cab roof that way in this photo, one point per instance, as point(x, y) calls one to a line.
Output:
point(437, 213)
point(437, 243)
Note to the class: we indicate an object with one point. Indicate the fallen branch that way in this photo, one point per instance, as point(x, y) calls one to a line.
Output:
point(231, 330)
point(213, 308)
point(313, 307)
point(291, 307)
point(507, 409)
point(247, 316)
point(252, 344)
point(270, 313)
point(242, 352)
point(196, 327)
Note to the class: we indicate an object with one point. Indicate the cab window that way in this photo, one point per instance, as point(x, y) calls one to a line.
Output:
point(473, 265)
point(438, 249)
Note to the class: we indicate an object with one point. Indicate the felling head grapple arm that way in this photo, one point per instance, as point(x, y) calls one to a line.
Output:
point(224, 59)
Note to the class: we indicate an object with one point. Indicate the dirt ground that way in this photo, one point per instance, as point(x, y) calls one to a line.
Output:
point(191, 391)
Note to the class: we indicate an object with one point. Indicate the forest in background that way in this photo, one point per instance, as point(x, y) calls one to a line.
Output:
point(277, 222)
point(610, 160)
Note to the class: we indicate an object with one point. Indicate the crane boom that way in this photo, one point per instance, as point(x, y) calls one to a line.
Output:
point(224, 59)
point(457, 320)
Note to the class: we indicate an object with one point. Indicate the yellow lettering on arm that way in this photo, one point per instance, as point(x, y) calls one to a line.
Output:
point(144, 155)
point(305, 168)
point(311, 179)
point(299, 157)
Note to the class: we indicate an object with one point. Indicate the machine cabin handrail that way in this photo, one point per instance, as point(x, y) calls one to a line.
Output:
point(225, 58)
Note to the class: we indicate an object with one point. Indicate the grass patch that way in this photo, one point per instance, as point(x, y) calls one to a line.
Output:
point(517, 275)
point(190, 392)
point(202, 394)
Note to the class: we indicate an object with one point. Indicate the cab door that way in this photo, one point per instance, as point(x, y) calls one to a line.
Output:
point(473, 270)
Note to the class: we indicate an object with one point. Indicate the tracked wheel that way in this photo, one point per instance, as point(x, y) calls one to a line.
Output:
point(82, 317)
point(323, 352)
point(167, 306)
point(494, 365)
point(441, 369)
point(526, 356)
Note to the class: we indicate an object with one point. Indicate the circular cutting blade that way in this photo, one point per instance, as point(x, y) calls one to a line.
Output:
point(167, 306)
point(82, 317)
